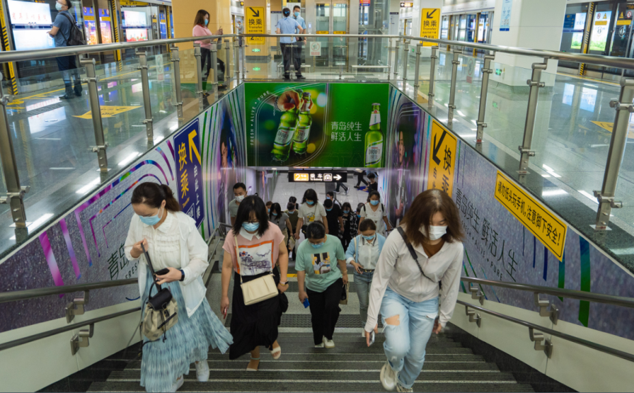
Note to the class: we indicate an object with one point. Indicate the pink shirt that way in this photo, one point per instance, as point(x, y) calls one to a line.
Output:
point(258, 255)
point(200, 31)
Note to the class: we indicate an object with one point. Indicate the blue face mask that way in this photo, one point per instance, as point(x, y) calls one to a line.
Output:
point(346, 211)
point(310, 203)
point(328, 210)
point(153, 220)
point(206, 22)
point(318, 245)
point(327, 197)
point(374, 202)
point(297, 14)
point(250, 226)
point(58, 6)
point(369, 238)
point(274, 214)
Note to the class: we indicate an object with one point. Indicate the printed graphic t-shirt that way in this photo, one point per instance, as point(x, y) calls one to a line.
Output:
point(258, 255)
point(312, 213)
point(320, 264)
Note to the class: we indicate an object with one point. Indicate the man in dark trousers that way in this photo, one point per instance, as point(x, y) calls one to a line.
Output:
point(67, 64)
point(360, 178)
point(334, 215)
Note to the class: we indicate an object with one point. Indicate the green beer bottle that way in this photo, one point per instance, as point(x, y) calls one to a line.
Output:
point(300, 140)
point(374, 140)
point(284, 138)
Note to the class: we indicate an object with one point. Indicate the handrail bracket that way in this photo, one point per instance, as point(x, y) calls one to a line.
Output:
point(538, 338)
point(76, 307)
point(544, 311)
point(81, 339)
point(473, 316)
point(476, 294)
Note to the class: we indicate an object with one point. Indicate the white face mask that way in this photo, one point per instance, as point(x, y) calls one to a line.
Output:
point(435, 232)
point(239, 198)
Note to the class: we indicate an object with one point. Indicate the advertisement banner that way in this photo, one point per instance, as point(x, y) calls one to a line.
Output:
point(316, 124)
point(189, 171)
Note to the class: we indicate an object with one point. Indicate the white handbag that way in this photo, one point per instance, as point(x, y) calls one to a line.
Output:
point(258, 290)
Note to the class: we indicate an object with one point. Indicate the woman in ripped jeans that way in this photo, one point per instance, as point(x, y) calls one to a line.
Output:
point(425, 250)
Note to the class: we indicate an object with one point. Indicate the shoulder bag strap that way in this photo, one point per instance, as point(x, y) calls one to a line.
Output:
point(71, 26)
point(235, 239)
point(356, 250)
point(149, 263)
point(412, 252)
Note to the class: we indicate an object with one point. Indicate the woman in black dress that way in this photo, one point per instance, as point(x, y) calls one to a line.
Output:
point(350, 225)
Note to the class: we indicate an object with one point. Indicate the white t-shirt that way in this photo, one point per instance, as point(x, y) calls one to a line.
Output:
point(376, 216)
point(312, 213)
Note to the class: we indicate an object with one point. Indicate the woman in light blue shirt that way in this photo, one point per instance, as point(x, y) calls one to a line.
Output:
point(363, 254)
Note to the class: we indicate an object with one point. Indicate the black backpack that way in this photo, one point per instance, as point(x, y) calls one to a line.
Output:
point(76, 35)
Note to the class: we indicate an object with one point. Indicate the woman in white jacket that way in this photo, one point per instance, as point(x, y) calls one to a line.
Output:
point(173, 242)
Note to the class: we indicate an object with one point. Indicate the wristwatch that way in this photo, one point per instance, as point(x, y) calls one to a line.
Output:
point(284, 283)
point(183, 275)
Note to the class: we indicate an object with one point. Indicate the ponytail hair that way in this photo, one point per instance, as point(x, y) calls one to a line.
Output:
point(153, 195)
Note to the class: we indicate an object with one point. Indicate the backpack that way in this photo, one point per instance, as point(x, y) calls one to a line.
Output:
point(382, 208)
point(76, 35)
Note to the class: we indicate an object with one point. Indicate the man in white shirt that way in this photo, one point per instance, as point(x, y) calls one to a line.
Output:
point(239, 192)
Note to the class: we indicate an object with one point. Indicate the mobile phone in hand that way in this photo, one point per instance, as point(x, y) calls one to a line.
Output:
point(162, 272)
point(305, 303)
point(224, 313)
point(372, 337)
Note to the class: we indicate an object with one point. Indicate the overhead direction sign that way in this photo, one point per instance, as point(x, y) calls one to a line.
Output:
point(443, 159)
point(318, 177)
point(430, 24)
point(255, 24)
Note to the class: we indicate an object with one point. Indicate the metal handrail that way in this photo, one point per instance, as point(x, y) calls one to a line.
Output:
point(15, 296)
point(568, 293)
point(53, 332)
point(576, 340)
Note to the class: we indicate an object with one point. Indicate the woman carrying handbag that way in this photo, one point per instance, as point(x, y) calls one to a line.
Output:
point(253, 249)
point(174, 246)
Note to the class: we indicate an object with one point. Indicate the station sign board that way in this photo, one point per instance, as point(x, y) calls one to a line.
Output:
point(317, 177)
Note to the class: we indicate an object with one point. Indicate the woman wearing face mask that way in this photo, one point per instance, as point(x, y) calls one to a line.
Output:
point(350, 225)
point(321, 274)
point(173, 242)
point(293, 217)
point(363, 254)
point(428, 249)
point(277, 217)
point(375, 211)
point(200, 30)
point(311, 211)
point(261, 249)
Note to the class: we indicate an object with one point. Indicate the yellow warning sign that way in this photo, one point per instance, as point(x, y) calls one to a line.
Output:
point(255, 25)
point(109, 111)
point(608, 126)
point(443, 158)
point(549, 229)
point(430, 24)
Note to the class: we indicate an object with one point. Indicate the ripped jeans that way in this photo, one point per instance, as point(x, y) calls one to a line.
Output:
point(406, 338)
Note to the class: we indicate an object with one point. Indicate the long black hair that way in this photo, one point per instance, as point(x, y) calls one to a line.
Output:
point(251, 204)
point(277, 209)
point(153, 195)
point(343, 207)
point(310, 194)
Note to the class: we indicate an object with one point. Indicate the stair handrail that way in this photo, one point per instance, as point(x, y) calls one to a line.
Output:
point(546, 346)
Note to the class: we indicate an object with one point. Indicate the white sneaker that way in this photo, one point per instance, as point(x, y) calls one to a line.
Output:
point(177, 385)
point(400, 388)
point(388, 377)
point(320, 345)
point(202, 371)
point(329, 343)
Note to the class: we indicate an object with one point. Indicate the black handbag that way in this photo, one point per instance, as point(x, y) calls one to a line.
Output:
point(161, 310)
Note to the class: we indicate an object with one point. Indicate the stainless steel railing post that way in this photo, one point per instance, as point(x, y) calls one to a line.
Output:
point(236, 53)
point(95, 110)
point(177, 81)
point(244, 59)
point(529, 126)
point(484, 91)
point(227, 76)
point(605, 197)
point(432, 76)
point(199, 75)
point(405, 60)
point(214, 67)
point(396, 48)
point(145, 84)
point(452, 89)
point(15, 192)
point(417, 70)
point(389, 58)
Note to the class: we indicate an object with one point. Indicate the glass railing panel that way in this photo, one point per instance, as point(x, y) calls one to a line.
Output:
point(264, 58)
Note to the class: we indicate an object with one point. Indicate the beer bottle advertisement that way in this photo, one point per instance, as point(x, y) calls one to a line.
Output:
point(316, 124)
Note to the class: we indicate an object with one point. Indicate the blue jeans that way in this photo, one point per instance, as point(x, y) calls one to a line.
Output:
point(363, 282)
point(405, 343)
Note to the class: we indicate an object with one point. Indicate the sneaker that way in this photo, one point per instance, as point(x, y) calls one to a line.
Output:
point(177, 385)
point(300, 77)
point(400, 388)
point(388, 377)
point(320, 345)
point(328, 343)
point(202, 371)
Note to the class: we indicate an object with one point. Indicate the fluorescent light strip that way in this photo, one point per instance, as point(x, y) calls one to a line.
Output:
point(589, 85)
point(468, 135)
point(589, 196)
point(129, 158)
point(550, 171)
point(545, 176)
point(623, 251)
point(88, 186)
point(553, 193)
point(62, 169)
point(460, 113)
point(158, 139)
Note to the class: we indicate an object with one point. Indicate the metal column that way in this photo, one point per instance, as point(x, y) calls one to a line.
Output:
point(95, 110)
point(177, 81)
point(236, 53)
point(529, 126)
point(227, 62)
point(15, 192)
point(199, 75)
point(396, 47)
point(244, 58)
point(605, 197)
point(417, 70)
point(454, 80)
point(432, 76)
point(145, 84)
point(389, 57)
point(214, 67)
point(405, 60)
point(484, 91)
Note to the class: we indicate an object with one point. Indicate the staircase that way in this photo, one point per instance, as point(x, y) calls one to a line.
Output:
point(349, 367)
